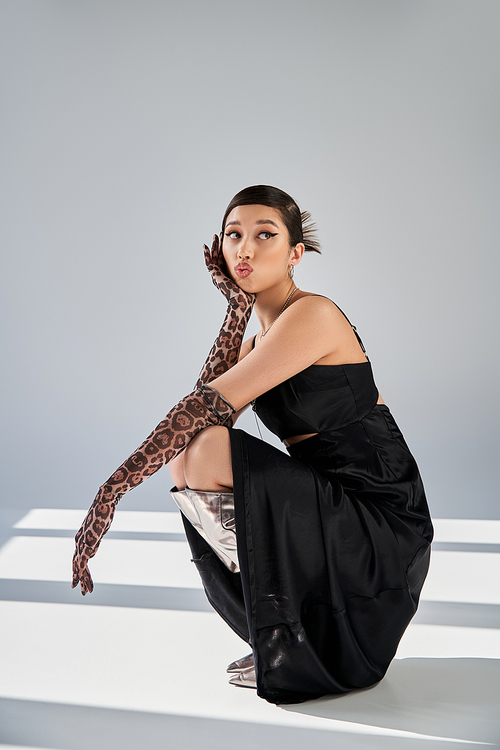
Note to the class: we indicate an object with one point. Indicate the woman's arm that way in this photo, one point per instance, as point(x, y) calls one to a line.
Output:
point(200, 409)
point(310, 329)
point(193, 413)
point(300, 337)
point(246, 348)
point(176, 465)
point(226, 348)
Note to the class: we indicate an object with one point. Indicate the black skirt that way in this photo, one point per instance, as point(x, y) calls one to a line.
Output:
point(333, 543)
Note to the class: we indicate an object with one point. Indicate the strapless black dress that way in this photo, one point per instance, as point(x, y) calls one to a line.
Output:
point(333, 539)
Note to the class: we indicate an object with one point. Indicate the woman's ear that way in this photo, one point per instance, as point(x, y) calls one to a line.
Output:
point(297, 253)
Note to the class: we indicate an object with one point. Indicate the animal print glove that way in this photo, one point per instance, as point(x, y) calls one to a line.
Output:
point(224, 353)
point(204, 407)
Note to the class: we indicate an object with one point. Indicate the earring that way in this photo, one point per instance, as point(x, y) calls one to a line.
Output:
point(291, 270)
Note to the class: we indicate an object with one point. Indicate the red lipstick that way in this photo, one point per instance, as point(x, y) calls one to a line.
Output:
point(242, 270)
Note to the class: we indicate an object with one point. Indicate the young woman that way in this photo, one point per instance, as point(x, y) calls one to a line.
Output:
point(316, 558)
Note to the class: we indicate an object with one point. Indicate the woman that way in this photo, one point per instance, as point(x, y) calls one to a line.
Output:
point(316, 558)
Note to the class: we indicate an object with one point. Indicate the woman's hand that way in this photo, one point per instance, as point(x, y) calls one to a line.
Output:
point(81, 572)
point(214, 260)
point(95, 525)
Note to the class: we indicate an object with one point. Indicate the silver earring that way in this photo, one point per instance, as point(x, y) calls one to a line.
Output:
point(291, 270)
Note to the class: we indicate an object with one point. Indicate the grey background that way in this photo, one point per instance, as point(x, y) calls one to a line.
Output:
point(126, 127)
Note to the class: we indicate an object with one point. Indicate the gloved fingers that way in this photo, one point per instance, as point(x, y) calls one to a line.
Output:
point(208, 256)
point(85, 580)
point(217, 254)
point(214, 258)
point(81, 574)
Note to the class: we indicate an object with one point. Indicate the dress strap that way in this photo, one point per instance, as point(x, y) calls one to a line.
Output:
point(355, 331)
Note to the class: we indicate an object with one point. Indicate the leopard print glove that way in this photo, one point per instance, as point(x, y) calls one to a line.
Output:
point(224, 353)
point(204, 407)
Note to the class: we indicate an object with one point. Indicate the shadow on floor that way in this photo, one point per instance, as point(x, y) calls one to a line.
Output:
point(63, 727)
point(106, 594)
point(453, 698)
point(457, 614)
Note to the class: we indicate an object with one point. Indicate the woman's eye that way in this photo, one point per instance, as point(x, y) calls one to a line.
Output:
point(232, 235)
point(267, 235)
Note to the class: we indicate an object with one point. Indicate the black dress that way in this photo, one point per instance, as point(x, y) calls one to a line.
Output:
point(333, 540)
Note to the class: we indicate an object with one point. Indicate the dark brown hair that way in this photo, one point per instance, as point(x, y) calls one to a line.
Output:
point(299, 225)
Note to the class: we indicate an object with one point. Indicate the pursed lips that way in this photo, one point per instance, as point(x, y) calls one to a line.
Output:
point(242, 270)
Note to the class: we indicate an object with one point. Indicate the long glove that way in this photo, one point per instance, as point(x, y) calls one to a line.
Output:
point(201, 408)
point(173, 433)
point(225, 351)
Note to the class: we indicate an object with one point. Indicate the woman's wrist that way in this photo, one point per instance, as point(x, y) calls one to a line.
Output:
point(242, 300)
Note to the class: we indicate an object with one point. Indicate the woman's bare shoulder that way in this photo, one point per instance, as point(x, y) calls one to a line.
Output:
point(320, 318)
point(316, 305)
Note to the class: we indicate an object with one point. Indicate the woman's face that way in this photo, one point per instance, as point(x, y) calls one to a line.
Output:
point(256, 248)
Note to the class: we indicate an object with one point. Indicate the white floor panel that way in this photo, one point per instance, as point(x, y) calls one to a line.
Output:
point(443, 685)
point(167, 662)
point(154, 660)
point(466, 530)
point(124, 520)
point(463, 577)
point(118, 561)
point(453, 576)
point(447, 642)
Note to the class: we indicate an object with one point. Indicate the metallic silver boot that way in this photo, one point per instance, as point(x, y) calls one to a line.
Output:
point(212, 515)
point(246, 678)
point(246, 662)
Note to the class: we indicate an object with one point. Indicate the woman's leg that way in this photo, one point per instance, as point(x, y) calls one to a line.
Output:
point(206, 467)
point(207, 461)
point(206, 499)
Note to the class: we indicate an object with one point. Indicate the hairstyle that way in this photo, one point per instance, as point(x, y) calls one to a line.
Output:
point(299, 225)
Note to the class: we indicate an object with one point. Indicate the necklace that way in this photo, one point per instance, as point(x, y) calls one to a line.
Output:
point(280, 312)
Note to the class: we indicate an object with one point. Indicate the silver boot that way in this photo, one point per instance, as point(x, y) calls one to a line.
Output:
point(241, 664)
point(246, 678)
point(212, 515)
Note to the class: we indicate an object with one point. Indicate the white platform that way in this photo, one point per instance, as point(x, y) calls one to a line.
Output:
point(164, 669)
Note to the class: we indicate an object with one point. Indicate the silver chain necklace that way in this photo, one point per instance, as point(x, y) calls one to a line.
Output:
point(280, 312)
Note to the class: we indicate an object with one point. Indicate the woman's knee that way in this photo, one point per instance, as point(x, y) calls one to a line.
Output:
point(207, 460)
point(206, 438)
point(212, 442)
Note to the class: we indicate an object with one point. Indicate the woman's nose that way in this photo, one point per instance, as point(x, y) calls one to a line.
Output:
point(244, 251)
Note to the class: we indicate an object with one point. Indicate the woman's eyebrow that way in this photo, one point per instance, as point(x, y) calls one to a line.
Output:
point(267, 221)
point(261, 221)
